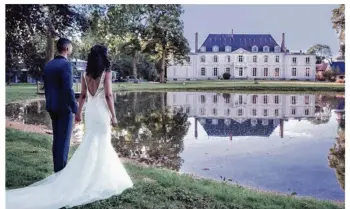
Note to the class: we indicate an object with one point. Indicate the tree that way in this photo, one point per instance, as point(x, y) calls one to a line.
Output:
point(50, 21)
point(321, 51)
point(164, 36)
point(338, 20)
point(128, 21)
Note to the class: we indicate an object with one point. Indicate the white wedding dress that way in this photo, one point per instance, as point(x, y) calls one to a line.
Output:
point(93, 173)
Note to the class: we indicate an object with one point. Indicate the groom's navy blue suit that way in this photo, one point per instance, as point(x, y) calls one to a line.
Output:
point(61, 104)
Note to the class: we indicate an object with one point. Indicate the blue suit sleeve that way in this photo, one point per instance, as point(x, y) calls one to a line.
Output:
point(67, 79)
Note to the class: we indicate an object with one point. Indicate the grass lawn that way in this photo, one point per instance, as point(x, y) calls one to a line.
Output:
point(28, 159)
point(234, 86)
point(18, 92)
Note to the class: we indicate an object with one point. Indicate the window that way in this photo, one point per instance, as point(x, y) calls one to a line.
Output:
point(277, 72)
point(227, 112)
point(189, 60)
point(266, 58)
point(188, 110)
point(277, 49)
point(255, 59)
point(228, 58)
point(255, 49)
point(240, 99)
point(240, 112)
point(255, 99)
point(254, 71)
point(293, 111)
point(215, 48)
point(265, 99)
point(294, 71)
point(227, 100)
point(240, 58)
point(202, 99)
point(266, 72)
point(265, 112)
point(228, 70)
point(266, 49)
point(277, 59)
point(307, 99)
point(294, 100)
point(215, 111)
point(202, 71)
point(215, 58)
point(202, 111)
point(240, 71)
point(254, 112)
point(294, 60)
point(307, 111)
point(228, 49)
point(265, 122)
point(215, 71)
point(307, 60)
point(203, 58)
point(277, 99)
point(307, 72)
point(276, 112)
point(215, 99)
point(203, 49)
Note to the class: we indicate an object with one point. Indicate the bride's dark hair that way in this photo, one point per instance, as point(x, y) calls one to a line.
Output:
point(97, 61)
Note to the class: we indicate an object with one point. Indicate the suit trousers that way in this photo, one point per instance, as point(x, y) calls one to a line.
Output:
point(62, 130)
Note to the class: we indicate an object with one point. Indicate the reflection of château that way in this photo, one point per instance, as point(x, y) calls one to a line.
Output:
point(238, 114)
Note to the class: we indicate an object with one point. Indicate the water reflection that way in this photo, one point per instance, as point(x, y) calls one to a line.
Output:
point(269, 136)
point(336, 155)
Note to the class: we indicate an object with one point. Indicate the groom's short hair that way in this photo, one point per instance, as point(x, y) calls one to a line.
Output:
point(62, 44)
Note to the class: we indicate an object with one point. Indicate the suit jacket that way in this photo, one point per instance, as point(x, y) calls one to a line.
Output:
point(58, 82)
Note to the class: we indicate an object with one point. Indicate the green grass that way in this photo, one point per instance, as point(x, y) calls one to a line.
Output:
point(19, 92)
point(28, 159)
point(234, 86)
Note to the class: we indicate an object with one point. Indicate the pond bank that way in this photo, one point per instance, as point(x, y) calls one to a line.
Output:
point(28, 159)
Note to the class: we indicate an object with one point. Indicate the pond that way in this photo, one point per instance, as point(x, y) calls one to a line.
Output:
point(291, 143)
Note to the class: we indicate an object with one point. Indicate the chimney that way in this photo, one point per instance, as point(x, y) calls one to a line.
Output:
point(283, 47)
point(196, 42)
point(281, 127)
point(195, 128)
point(232, 33)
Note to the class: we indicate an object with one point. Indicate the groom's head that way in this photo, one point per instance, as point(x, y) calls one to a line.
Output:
point(64, 47)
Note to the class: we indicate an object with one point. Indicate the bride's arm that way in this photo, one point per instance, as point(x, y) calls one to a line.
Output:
point(82, 99)
point(109, 94)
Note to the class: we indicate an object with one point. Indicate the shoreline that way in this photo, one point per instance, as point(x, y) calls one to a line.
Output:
point(43, 130)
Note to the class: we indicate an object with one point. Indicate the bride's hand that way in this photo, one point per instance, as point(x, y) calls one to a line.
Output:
point(78, 118)
point(114, 122)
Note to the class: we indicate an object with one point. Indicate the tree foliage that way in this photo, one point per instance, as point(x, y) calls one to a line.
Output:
point(338, 20)
point(164, 36)
point(321, 51)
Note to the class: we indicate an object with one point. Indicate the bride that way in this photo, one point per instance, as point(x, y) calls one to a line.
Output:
point(94, 172)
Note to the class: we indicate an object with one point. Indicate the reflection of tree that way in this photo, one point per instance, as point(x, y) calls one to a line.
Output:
point(29, 113)
point(148, 132)
point(336, 156)
point(324, 105)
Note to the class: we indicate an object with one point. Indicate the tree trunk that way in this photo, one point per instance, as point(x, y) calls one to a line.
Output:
point(162, 67)
point(134, 66)
point(50, 47)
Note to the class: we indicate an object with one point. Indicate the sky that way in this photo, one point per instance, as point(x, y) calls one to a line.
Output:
point(303, 25)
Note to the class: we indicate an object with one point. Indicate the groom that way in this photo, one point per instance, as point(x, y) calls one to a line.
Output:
point(60, 101)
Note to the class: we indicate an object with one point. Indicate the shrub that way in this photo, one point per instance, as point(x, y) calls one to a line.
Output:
point(226, 76)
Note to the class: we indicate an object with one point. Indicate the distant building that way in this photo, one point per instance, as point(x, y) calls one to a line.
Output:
point(244, 56)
